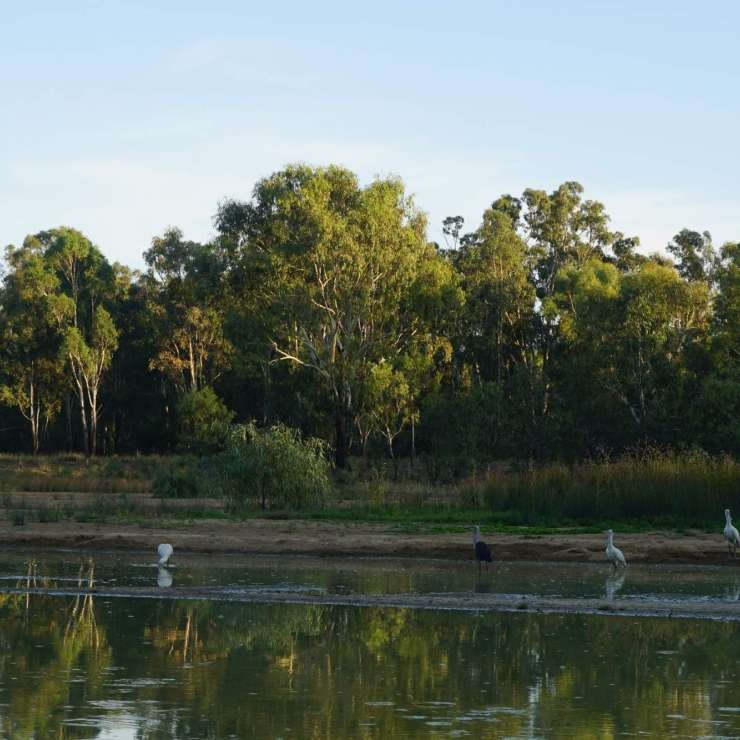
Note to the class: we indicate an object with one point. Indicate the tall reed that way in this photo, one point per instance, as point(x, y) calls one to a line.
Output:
point(683, 487)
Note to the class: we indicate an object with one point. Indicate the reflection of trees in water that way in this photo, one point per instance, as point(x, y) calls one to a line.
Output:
point(253, 670)
point(48, 640)
point(318, 670)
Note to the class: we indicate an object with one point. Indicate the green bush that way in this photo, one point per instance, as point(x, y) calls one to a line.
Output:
point(177, 481)
point(275, 467)
point(202, 422)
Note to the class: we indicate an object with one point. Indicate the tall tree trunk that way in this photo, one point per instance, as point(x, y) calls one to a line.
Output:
point(389, 438)
point(68, 420)
point(341, 438)
point(343, 422)
point(83, 420)
point(33, 416)
point(413, 440)
point(266, 390)
point(93, 425)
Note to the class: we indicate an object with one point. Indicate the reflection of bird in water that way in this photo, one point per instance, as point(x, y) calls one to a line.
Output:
point(165, 553)
point(731, 534)
point(482, 586)
point(613, 583)
point(613, 554)
point(164, 578)
point(733, 592)
point(482, 551)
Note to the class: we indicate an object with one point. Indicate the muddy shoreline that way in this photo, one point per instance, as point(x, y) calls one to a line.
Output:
point(331, 539)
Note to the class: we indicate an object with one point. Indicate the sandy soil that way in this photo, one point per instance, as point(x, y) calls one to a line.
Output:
point(365, 540)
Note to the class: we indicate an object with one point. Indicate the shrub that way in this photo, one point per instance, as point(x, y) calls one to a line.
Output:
point(177, 481)
point(274, 467)
point(202, 422)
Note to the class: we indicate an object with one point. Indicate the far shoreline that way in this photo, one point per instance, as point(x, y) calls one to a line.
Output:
point(347, 540)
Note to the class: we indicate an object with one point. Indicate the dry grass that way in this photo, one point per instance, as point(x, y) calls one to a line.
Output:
point(75, 473)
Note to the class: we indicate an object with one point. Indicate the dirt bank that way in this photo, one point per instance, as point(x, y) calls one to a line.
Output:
point(365, 540)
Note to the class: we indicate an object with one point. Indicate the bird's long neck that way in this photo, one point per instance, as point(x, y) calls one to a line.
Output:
point(728, 517)
point(476, 536)
point(610, 537)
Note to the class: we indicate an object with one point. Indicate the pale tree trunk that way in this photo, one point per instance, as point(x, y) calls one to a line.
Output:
point(68, 421)
point(191, 364)
point(413, 440)
point(93, 410)
point(30, 411)
point(83, 419)
point(34, 414)
point(78, 379)
point(389, 436)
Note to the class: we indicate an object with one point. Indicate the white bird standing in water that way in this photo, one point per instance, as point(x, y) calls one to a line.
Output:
point(613, 554)
point(165, 553)
point(731, 534)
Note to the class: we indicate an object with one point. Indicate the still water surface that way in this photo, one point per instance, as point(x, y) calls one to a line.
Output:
point(150, 668)
point(386, 576)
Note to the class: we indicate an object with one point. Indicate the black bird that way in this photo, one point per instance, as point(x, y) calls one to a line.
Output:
point(482, 551)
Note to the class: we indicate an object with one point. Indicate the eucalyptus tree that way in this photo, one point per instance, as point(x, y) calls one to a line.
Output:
point(500, 297)
point(498, 331)
point(720, 397)
point(29, 357)
point(390, 402)
point(86, 284)
point(588, 414)
point(563, 229)
point(336, 261)
point(187, 311)
point(631, 338)
point(695, 254)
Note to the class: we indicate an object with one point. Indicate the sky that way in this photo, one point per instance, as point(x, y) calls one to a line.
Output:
point(124, 118)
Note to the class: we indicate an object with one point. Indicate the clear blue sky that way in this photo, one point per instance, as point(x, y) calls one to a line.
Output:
point(122, 118)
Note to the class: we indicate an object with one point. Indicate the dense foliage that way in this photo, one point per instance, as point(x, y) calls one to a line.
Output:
point(321, 305)
point(273, 467)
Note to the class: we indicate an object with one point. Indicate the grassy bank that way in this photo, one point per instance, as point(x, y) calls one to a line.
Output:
point(656, 490)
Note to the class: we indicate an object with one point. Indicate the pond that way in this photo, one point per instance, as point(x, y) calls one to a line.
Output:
point(92, 666)
point(384, 575)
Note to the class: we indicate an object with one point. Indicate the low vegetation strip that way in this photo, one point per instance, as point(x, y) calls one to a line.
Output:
point(276, 475)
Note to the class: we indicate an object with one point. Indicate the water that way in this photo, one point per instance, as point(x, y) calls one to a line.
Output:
point(149, 668)
point(387, 576)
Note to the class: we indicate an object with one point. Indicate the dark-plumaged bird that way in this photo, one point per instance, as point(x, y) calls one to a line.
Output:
point(482, 551)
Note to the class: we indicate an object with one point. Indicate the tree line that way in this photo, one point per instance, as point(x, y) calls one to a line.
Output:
point(322, 305)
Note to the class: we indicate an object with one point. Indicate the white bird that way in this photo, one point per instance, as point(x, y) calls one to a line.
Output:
point(731, 534)
point(165, 553)
point(613, 554)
